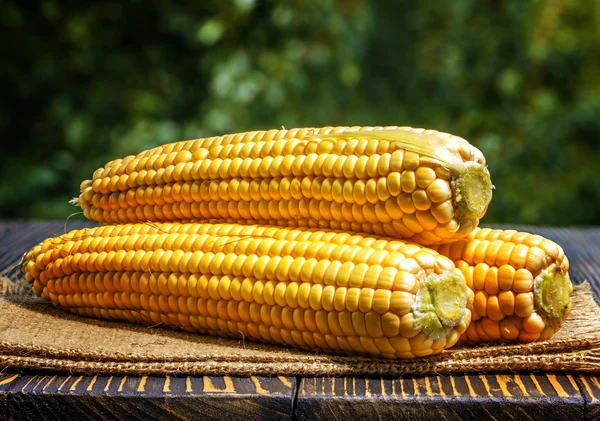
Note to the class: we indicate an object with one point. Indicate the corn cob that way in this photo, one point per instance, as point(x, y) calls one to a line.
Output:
point(520, 281)
point(305, 288)
point(422, 185)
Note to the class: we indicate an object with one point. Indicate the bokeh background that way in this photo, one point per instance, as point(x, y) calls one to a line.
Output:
point(82, 83)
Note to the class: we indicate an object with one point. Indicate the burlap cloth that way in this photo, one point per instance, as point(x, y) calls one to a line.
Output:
point(35, 335)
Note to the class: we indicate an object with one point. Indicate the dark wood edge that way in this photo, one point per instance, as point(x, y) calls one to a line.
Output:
point(575, 395)
point(511, 396)
point(146, 385)
point(589, 386)
point(31, 396)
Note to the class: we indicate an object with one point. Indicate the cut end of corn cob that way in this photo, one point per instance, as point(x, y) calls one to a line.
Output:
point(552, 293)
point(472, 190)
point(440, 303)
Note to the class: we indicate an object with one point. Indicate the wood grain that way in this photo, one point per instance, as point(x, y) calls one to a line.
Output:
point(35, 397)
point(462, 397)
point(17, 238)
point(7, 380)
point(590, 389)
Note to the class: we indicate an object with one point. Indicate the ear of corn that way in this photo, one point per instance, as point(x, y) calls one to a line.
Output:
point(423, 185)
point(520, 281)
point(305, 288)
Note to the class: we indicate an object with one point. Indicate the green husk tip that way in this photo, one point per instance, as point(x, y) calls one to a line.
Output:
point(552, 293)
point(472, 190)
point(471, 181)
point(440, 303)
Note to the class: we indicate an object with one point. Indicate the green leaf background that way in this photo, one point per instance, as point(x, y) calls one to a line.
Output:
point(86, 82)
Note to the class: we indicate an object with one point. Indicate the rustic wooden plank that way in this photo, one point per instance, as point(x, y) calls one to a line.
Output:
point(59, 397)
point(18, 237)
point(456, 397)
point(589, 385)
point(7, 380)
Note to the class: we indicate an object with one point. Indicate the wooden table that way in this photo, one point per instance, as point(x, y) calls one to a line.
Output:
point(510, 396)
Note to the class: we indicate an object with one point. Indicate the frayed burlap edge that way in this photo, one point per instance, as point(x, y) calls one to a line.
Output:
point(20, 288)
point(588, 361)
point(575, 348)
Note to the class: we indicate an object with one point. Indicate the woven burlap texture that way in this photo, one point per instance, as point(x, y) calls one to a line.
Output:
point(36, 335)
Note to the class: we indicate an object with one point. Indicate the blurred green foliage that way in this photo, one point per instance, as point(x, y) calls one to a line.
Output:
point(86, 82)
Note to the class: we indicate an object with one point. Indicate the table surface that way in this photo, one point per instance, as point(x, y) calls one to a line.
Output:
point(494, 396)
